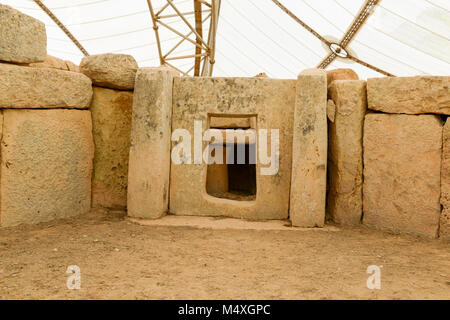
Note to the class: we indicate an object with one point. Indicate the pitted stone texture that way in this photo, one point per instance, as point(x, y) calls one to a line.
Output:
point(55, 63)
point(410, 95)
point(402, 167)
point(149, 162)
point(72, 66)
point(46, 165)
point(50, 62)
point(444, 229)
point(309, 158)
point(345, 158)
point(111, 122)
point(272, 101)
point(116, 71)
point(34, 88)
point(341, 74)
point(23, 39)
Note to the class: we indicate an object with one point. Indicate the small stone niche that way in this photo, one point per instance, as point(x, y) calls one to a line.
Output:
point(235, 178)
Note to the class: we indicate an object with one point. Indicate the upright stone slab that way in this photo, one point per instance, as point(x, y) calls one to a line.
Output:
point(116, 71)
point(111, 121)
point(309, 158)
point(149, 164)
point(402, 167)
point(34, 88)
point(46, 165)
point(444, 229)
point(23, 39)
point(341, 74)
point(345, 158)
point(410, 95)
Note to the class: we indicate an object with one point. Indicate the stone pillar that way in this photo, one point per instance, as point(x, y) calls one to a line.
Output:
point(444, 230)
point(111, 122)
point(345, 158)
point(149, 163)
point(402, 169)
point(309, 157)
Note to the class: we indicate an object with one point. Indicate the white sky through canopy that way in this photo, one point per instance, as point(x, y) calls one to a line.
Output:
point(402, 37)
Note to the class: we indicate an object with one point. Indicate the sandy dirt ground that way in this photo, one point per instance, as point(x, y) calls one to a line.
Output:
point(120, 259)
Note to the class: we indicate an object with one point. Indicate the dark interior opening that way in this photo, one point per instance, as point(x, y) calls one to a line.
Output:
point(233, 180)
point(242, 177)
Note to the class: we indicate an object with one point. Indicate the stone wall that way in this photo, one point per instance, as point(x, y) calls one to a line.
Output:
point(113, 76)
point(46, 130)
point(403, 152)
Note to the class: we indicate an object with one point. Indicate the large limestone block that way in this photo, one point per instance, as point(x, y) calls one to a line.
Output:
point(410, 95)
point(402, 167)
point(341, 74)
point(46, 165)
point(269, 105)
point(444, 229)
point(345, 158)
point(28, 87)
point(116, 71)
point(55, 63)
point(149, 162)
point(111, 121)
point(309, 158)
point(23, 39)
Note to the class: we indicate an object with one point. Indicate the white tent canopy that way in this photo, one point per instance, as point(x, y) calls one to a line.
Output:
point(401, 37)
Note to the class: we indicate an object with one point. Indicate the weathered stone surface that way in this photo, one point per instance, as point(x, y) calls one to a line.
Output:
point(23, 39)
point(444, 229)
point(72, 66)
point(341, 74)
point(149, 162)
point(111, 122)
point(116, 71)
point(410, 95)
point(55, 63)
point(50, 62)
point(46, 165)
point(271, 103)
point(331, 110)
point(309, 158)
point(28, 87)
point(345, 158)
point(402, 166)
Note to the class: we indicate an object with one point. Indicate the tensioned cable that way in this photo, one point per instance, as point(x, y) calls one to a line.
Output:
point(263, 33)
point(437, 6)
point(376, 50)
point(255, 45)
point(286, 31)
point(241, 52)
point(301, 22)
point(412, 22)
point(390, 36)
point(63, 28)
point(224, 72)
point(232, 62)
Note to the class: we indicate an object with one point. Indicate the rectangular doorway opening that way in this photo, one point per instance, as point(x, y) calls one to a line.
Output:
point(235, 179)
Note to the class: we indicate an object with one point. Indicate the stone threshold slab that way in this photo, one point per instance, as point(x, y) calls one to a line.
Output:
point(215, 223)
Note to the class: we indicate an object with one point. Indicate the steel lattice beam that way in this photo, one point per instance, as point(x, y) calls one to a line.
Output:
point(204, 49)
point(339, 49)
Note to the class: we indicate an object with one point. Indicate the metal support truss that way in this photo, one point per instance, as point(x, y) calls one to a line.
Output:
point(339, 49)
point(203, 50)
point(61, 26)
